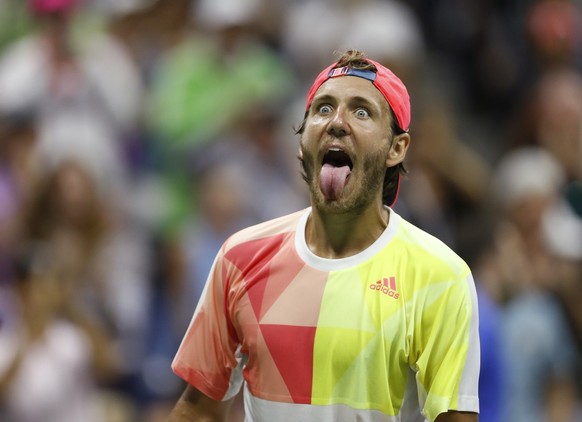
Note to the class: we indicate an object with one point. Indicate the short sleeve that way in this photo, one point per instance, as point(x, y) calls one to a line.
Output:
point(445, 349)
point(208, 355)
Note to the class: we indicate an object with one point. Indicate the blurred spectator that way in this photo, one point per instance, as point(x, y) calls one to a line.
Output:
point(81, 110)
point(558, 123)
point(210, 77)
point(448, 178)
point(523, 201)
point(389, 31)
point(206, 82)
point(149, 28)
point(549, 111)
point(541, 381)
point(268, 160)
point(51, 353)
point(562, 230)
point(98, 256)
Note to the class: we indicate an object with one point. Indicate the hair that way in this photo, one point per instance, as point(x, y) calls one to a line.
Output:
point(355, 59)
point(41, 213)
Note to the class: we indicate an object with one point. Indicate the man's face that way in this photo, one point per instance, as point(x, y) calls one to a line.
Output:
point(345, 145)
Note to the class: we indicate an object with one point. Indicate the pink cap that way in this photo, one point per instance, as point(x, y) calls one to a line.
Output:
point(383, 79)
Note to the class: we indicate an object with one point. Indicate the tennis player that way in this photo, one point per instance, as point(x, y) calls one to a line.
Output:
point(343, 311)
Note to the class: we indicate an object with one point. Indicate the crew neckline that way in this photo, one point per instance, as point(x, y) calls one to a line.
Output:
point(329, 264)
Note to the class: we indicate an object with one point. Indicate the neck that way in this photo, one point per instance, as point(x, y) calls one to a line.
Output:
point(336, 236)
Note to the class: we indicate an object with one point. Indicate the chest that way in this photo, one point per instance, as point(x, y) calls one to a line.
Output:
point(312, 328)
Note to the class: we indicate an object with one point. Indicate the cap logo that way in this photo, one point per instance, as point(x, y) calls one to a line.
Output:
point(350, 71)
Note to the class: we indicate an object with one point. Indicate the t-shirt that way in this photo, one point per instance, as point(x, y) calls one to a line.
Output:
point(388, 334)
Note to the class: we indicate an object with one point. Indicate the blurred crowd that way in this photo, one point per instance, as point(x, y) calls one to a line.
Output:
point(137, 135)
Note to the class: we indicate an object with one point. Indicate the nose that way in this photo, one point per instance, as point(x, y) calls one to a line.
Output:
point(337, 125)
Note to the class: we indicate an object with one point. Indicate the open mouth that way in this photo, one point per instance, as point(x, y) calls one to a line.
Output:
point(335, 171)
point(337, 158)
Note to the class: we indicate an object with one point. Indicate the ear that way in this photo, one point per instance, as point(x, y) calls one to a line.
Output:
point(300, 155)
point(398, 149)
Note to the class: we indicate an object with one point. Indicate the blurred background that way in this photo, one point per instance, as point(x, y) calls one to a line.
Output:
point(137, 135)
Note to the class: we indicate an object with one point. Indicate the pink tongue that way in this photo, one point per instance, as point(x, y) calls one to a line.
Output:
point(332, 180)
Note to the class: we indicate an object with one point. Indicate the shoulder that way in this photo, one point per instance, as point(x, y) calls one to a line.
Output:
point(428, 251)
point(274, 230)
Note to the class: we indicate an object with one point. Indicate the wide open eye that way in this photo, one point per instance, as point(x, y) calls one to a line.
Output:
point(324, 109)
point(362, 113)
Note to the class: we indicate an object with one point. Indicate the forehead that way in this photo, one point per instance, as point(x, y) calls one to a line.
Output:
point(349, 87)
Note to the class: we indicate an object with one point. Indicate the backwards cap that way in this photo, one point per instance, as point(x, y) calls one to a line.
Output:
point(383, 79)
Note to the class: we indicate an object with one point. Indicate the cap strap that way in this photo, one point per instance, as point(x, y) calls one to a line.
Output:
point(350, 71)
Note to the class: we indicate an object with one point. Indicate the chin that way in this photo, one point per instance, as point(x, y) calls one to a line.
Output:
point(331, 207)
point(342, 205)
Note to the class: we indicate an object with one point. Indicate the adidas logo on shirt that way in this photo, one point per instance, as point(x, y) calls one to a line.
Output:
point(387, 286)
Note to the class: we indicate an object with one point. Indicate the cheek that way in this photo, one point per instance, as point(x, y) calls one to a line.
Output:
point(314, 125)
point(306, 151)
point(308, 142)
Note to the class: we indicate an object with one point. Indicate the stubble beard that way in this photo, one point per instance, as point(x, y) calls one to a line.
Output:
point(360, 196)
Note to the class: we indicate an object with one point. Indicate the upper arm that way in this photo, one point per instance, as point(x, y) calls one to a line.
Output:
point(446, 346)
point(193, 405)
point(208, 357)
point(457, 417)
